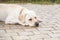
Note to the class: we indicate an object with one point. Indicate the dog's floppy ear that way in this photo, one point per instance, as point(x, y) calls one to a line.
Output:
point(22, 17)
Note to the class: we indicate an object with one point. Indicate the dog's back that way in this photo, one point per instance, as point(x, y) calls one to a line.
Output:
point(3, 12)
point(8, 9)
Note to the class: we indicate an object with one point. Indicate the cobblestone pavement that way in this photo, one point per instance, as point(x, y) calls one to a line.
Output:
point(49, 29)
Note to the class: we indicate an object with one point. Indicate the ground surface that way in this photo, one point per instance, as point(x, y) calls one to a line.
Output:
point(49, 29)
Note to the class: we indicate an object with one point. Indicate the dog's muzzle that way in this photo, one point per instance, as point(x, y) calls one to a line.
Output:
point(36, 24)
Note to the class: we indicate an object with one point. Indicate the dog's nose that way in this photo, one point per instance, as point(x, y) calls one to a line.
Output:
point(36, 24)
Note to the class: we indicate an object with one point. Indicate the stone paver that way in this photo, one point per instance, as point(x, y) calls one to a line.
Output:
point(53, 39)
point(49, 29)
point(5, 38)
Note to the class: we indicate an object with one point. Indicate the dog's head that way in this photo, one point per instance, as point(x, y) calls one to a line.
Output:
point(29, 18)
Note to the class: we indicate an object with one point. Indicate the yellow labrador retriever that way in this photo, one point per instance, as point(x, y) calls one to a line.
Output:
point(13, 13)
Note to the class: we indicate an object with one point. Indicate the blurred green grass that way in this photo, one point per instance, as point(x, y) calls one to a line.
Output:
point(32, 1)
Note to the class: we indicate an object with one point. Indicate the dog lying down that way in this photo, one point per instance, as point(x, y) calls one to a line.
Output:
point(13, 13)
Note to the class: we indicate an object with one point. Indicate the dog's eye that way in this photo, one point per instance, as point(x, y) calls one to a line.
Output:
point(30, 19)
point(35, 17)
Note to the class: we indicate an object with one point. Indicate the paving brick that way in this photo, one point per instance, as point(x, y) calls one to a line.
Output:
point(37, 31)
point(56, 31)
point(21, 37)
point(2, 31)
point(45, 29)
point(8, 34)
point(3, 27)
point(37, 39)
point(5, 38)
point(42, 32)
point(55, 35)
point(57, 28)
point(52, 39)
point(11, 26)
point(30, 29)
point(25, 33)
point(39, 36)
point(14, 30)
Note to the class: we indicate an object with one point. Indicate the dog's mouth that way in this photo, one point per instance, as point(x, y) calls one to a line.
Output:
point(30, 26)
point(37, 25)
point(26, 25)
